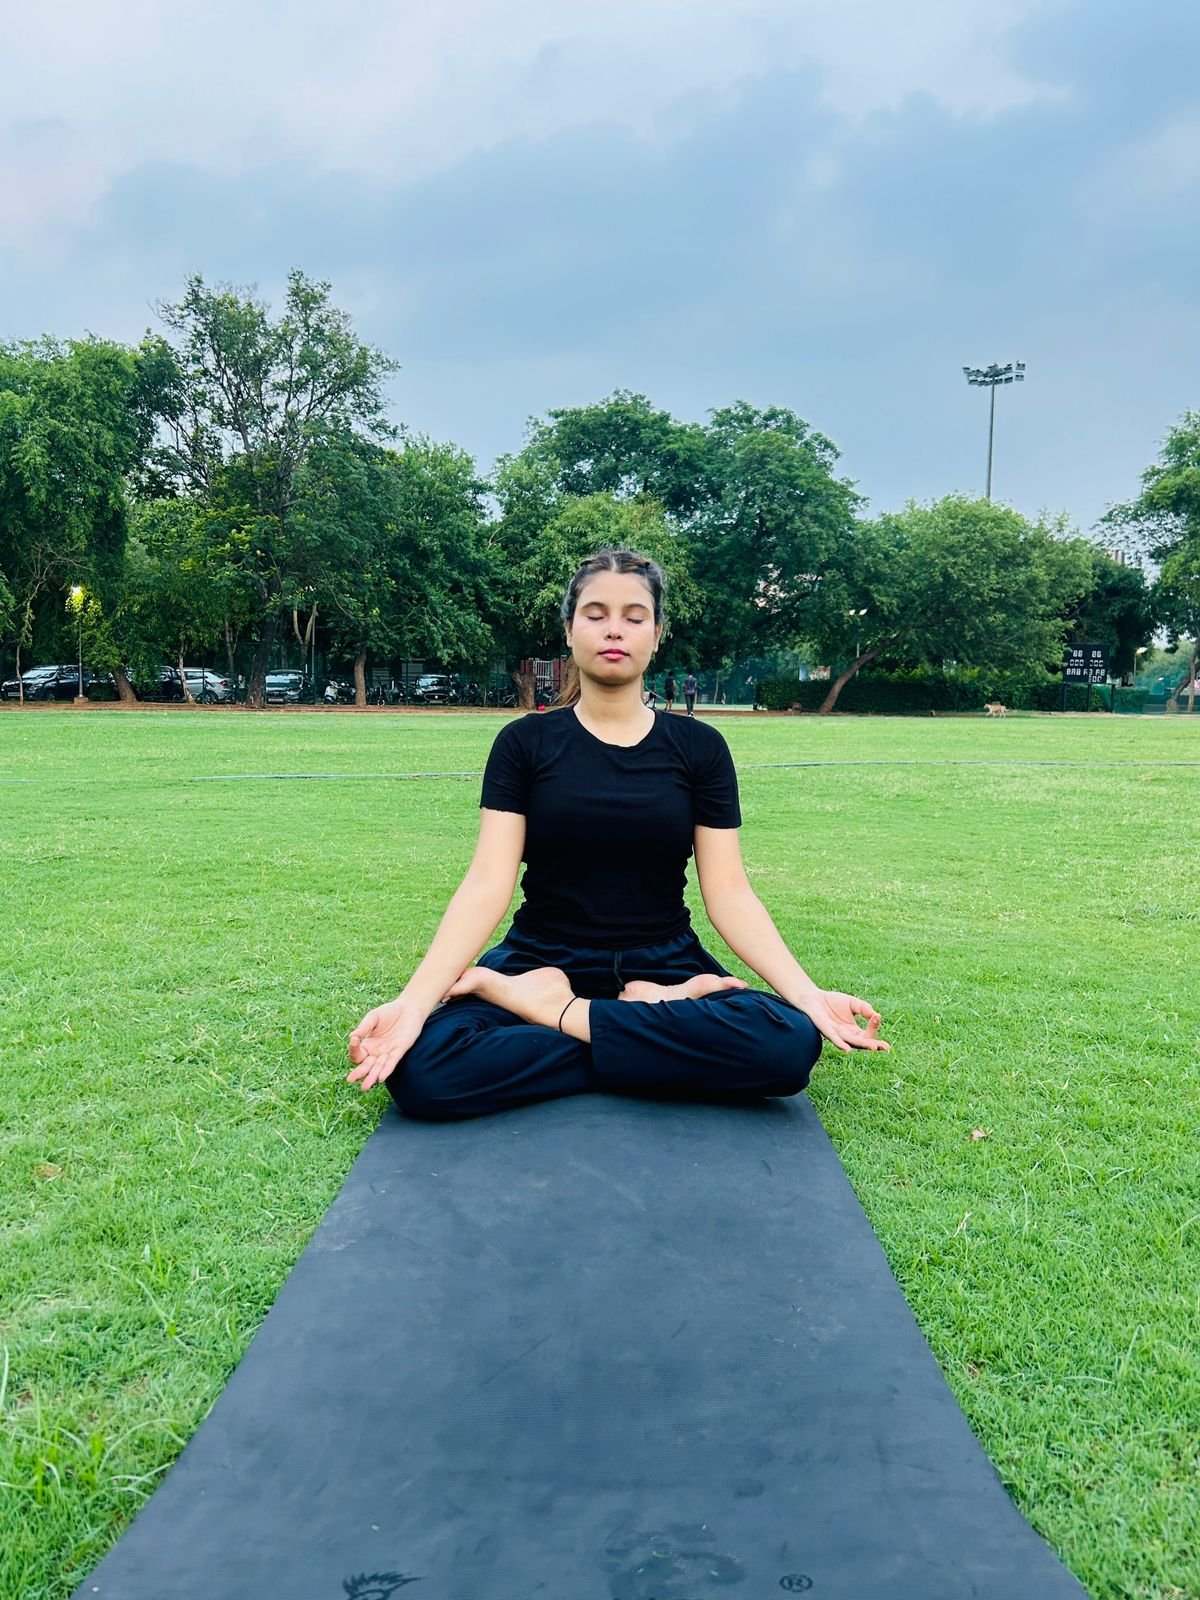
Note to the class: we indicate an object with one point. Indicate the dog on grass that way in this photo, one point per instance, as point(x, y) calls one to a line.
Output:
point(995, 709)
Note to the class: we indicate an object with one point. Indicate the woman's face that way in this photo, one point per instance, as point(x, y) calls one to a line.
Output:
point(612, 634)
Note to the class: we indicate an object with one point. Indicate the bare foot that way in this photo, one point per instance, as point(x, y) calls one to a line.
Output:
point(537, 996)
point(694, 989)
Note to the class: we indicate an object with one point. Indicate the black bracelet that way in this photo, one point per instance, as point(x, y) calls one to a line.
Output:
point(565, 1009)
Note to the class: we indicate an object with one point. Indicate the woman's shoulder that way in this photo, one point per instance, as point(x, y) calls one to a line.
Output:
point(693, 734)
point(535, 730)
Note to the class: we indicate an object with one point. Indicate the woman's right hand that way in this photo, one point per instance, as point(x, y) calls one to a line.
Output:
point(381, 1039)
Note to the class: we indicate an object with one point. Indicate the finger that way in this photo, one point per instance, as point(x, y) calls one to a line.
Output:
point(864, 1008)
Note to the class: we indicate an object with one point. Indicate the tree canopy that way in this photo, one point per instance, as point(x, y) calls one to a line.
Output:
point(960, 580)
point(239, 481)
point(1163, 521)
point(260, 429)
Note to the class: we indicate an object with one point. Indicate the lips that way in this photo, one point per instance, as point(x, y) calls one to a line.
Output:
point(614, 655)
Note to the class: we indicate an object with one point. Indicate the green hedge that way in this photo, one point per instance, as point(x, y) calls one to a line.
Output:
point(917, 694)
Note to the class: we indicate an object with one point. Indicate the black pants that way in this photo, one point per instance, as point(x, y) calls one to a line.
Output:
point(474, 1057)
point(690, 700)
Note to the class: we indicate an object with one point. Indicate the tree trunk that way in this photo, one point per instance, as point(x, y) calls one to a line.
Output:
point(229, 650)
point(21, 681)
point(568, 688)
point(304, 639)
point(843, 678)
point(526, 690)
point(187, 692)
point(258, 668)
point(360, 678)
point(125, 692)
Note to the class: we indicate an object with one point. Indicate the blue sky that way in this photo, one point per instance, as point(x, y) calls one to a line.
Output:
point(828, 207)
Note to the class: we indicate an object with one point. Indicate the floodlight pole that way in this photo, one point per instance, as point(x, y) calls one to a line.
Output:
point(991, 378)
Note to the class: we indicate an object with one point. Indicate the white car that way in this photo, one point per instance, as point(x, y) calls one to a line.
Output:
point(207, 686)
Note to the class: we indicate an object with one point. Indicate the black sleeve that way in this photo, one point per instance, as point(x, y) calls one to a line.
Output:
point(715, 786)
point(506, 776)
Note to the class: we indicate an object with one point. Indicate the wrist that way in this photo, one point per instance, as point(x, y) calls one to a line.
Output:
point(799, 992)
point(417, 999)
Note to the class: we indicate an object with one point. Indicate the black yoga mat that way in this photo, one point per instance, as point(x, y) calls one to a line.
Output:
point(598, 1349)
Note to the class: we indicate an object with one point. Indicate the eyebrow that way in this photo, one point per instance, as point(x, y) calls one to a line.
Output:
point(630, 605)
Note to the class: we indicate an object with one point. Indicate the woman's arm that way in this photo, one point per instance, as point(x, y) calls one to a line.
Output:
point(745, 924)
point(476, 907)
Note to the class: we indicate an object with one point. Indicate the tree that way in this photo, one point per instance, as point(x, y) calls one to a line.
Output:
point(418, 584)
point(76, 422)
point(257, 410)
point(1117, 610)
point(1163, 521)
point(960, 580)
point(749, 505)
point(1178, 596)
point(777, 516)
point(542, 535)
point(624, 448)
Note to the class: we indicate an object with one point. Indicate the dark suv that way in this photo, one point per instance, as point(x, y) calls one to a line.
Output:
point(286, 688)
point(166, 684)
point(46, 683)
point(433, 688)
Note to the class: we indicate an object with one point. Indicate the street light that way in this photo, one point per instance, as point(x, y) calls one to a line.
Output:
point(77, 602)
point(991, 378)
point(858, 641)
point(1140, 651)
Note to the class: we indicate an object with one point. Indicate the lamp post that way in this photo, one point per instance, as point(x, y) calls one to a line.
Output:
point(991, 378)
point(858, 641)
point(1140, 651)
point(77, 602)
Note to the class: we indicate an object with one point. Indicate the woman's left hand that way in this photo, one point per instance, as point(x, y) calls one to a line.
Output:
point(836, 1016)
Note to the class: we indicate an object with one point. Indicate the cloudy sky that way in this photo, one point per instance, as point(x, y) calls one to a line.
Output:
point(830, 206)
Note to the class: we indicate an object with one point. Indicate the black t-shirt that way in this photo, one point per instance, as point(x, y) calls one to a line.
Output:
point(608, 828)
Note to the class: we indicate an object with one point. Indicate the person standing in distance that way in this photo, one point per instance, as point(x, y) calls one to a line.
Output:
point(689, 693)
point(669, 691)
point(601, 983)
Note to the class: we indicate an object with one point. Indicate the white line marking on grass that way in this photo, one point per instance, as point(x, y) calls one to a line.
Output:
point(745, 766)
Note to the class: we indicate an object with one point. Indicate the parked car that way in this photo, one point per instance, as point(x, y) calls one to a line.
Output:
point(207, 686)
point(286, 688)
point(166, 684)
point(433, 688)
point(46, 683)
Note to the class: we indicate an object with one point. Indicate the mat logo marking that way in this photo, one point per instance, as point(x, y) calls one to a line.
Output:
point(795, 1582)
point(375, 1586)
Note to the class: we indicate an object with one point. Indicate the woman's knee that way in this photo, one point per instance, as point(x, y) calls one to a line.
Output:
point(792, 1044)
point(420, 1082)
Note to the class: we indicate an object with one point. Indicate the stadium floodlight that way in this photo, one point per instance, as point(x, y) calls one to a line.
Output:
point(991, 378)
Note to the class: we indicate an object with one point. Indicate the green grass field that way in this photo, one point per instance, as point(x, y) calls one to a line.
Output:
point(186, 944)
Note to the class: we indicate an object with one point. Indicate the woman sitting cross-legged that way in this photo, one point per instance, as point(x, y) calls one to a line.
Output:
point(601, 983)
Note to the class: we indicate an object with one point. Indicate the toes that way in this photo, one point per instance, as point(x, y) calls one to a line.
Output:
point(637, 990)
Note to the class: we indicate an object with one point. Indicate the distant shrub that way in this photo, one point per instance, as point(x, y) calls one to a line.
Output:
point(907, 694)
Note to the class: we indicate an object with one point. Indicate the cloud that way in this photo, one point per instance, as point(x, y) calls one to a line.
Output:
point(402, 92)
point(838, 235)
